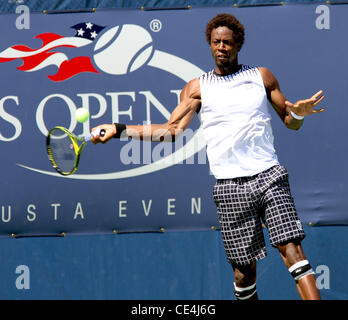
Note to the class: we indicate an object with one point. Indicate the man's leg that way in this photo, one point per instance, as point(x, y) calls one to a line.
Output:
point(297, 264)
point(245, 281)
point(281, 219)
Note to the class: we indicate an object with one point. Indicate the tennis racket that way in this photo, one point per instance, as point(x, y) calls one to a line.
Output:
point(64, 150)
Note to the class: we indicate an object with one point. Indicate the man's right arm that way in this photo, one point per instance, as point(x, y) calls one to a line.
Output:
point(180, 119)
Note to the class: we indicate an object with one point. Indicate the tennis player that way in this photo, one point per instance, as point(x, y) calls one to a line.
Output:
point(251, 186)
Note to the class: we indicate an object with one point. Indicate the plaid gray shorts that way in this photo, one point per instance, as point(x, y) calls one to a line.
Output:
point(244, 203)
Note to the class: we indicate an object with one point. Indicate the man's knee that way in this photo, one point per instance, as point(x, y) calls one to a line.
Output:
point(245, 281)
point(291, 252)
point(295, 260)
point(244, 275)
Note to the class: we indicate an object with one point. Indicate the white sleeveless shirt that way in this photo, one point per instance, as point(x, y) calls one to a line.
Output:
point(236, 123)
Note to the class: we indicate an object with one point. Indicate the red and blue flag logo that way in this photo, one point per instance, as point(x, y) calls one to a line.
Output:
point(48, 54)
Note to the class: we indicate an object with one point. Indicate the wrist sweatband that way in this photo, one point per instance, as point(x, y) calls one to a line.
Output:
point(296, 116)
point(120, 127)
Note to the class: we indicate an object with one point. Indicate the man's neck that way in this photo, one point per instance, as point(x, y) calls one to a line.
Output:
point(221, 71)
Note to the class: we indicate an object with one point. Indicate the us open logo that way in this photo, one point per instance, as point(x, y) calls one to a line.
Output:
point(114, 54)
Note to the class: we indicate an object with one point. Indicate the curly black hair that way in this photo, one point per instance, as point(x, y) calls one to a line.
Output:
point(229, 21)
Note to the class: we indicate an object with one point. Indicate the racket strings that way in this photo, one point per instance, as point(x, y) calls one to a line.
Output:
point(62, 154)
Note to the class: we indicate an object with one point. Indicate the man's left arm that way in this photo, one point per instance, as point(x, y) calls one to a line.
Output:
point(292, 114)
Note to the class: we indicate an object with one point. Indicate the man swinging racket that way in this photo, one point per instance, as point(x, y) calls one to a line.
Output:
point(251, 185)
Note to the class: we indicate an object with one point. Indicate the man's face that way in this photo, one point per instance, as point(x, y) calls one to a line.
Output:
point(223, 47)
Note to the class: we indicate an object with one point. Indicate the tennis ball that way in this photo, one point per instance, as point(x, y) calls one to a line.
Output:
point(81, 114)
point(123, 49)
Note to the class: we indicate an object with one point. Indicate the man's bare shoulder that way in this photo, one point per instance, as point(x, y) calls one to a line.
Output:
point(269, 80)
point(265, 72)
point(191, 90)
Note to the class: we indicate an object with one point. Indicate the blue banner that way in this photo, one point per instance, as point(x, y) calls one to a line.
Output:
point(129, 66)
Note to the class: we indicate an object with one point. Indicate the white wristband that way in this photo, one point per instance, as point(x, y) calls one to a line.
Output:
point(296, 116)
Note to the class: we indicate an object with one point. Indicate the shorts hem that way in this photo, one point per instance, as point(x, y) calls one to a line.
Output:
point(241, 262)
point(284, 241)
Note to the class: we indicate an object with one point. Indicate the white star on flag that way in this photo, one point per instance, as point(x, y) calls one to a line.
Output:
point(89, 25)
point(80, 32)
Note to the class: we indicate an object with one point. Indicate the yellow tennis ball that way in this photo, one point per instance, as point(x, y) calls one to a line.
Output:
point(81, 114)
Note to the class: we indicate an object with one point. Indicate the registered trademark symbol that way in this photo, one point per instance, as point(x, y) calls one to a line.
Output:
point(155, 25)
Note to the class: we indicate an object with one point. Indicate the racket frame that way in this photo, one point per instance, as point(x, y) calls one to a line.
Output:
point(78, 149)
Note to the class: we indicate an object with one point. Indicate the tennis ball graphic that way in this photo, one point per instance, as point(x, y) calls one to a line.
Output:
point(123, 49)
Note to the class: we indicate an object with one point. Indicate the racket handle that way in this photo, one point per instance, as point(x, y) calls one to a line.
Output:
point(95, 133)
